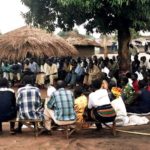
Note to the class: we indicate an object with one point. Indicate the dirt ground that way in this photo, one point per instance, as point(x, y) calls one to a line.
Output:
point(87, 139)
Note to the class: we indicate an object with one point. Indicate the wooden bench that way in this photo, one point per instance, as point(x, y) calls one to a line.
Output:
point(68, 130)
point(29, 123)
point(112, 126)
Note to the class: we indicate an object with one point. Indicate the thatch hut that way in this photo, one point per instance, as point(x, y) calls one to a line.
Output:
point(25, 41)
point(84, 45)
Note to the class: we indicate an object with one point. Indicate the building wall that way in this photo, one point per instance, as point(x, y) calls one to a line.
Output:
point(85, 50)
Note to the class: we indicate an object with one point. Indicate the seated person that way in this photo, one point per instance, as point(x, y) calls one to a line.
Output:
point(142, 103)
point(135, 85)
point(80, 104)
point(28, 102)
point(7, 104)
point(60, 107)
point(128, 93)
point(99, 102)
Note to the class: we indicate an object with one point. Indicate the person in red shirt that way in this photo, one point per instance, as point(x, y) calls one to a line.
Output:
point(135, 82)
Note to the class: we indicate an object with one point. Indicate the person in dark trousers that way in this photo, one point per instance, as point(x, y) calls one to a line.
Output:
point(7, 104)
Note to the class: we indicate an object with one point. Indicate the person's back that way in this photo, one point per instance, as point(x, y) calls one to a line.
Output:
point(144, 98)
point(7, 104)
point(142, 104)
point(99, 104)
point(81, 103)
point(60, 107)
point(64, 104)
point(98, 98)
point(28, 100)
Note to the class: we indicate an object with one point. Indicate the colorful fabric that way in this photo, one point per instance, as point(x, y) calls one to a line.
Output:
point(80, 104)
point(128, 94)
point(106, 111)
point(62, 102)
point(136, 86)
point(29, 102)
point(116, 91)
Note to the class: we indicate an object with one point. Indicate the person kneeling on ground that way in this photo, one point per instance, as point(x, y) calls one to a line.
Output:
point(60, 107)
point(7, 104)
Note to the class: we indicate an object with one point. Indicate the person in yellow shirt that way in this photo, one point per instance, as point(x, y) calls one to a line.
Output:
point(79, 106)
point(53, 72)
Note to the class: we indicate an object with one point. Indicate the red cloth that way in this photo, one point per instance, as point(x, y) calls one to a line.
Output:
point(135, 86)
point(148, 88)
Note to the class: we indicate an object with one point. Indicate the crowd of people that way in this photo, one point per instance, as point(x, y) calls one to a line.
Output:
point(78, 90)
point(73, 71)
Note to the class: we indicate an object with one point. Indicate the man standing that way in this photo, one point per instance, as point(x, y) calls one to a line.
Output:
point(28, 102)
point(60, 107)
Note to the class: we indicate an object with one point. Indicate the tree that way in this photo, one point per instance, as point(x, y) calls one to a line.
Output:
point(104, 16)
point(134, 34)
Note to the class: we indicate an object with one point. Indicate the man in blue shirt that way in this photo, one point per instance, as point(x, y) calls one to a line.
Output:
point(60, 107)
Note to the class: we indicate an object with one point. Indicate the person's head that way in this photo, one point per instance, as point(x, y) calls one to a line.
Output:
point(143, 59)
point(78, 91)
point(27, 80)
point(134, 76)
point(79, 60)
point(96, 84)
point(4, 83)
point(111, 74)
point(91, 65)
point(27, 62)
point(31, 60)
point(142, 84)
point(128, 75)
point(136, 57)
point(114, 58)
point(50, 62)
point(60, 84)
point(104, 85)
point(131, 45)
point(112, 84)
point(85, 64)
point(124, 81)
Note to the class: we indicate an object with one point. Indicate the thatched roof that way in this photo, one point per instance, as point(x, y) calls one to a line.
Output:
point(17, 44)
point(77, 39)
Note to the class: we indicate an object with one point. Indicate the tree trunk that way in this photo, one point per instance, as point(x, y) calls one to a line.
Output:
point(105, 46)
point(124, 38)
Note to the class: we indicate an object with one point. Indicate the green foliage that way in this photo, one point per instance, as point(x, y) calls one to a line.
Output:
point(134, 34)
point(103, 15)
point(110, 15)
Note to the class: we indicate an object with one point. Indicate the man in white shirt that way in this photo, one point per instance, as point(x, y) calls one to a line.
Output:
point(99, 97)
point(99, 103)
